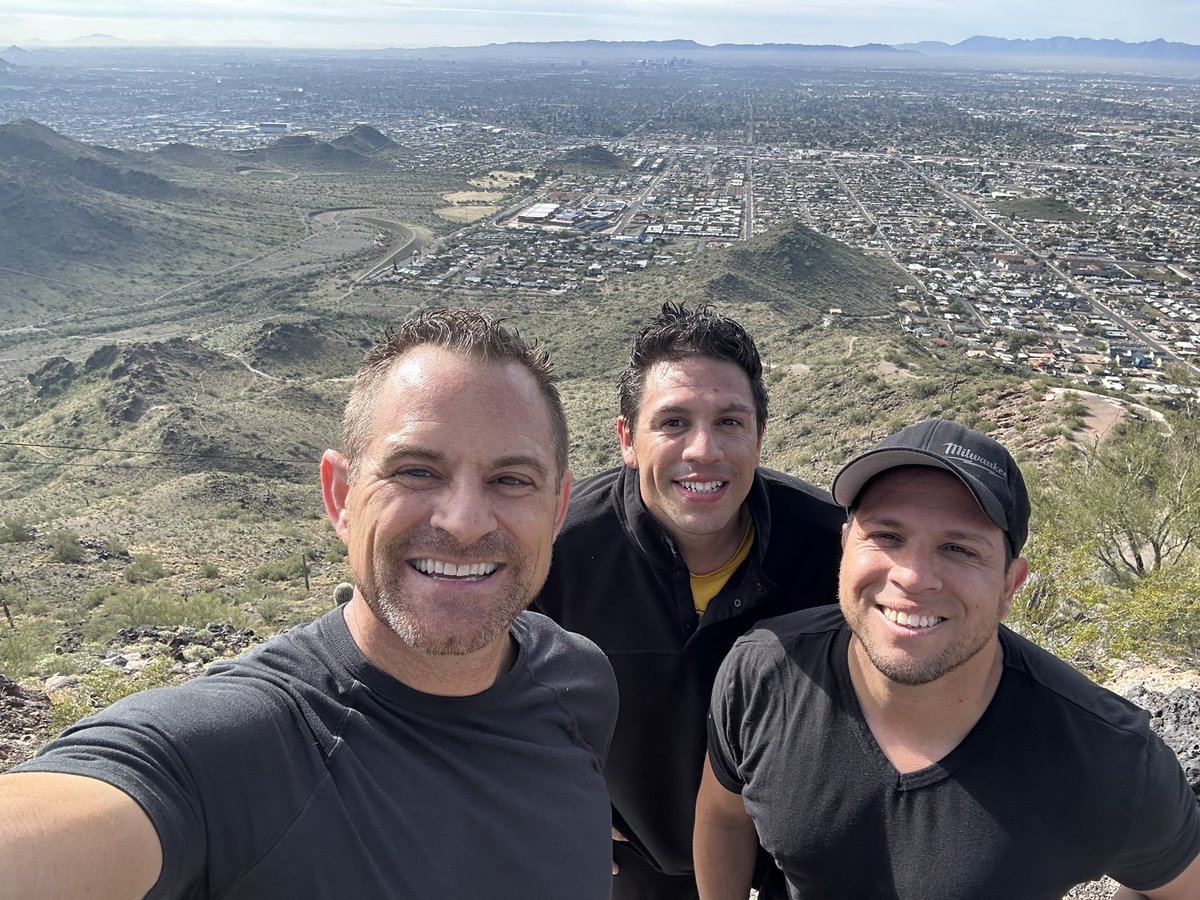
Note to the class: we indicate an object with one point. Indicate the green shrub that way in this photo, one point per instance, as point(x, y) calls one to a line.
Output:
point(104, 686)
point(145, 568)
point(288, 569)
point(16, 529)
point(65, 547)
point(19, 651)
point(209, 570)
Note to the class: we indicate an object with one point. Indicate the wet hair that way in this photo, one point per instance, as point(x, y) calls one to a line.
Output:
point(471, 333)
point(677, 333)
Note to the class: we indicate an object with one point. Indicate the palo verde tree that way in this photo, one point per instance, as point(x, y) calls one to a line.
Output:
point(1134, 498)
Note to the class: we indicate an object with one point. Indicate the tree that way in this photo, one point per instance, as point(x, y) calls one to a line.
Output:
point(1135, 497)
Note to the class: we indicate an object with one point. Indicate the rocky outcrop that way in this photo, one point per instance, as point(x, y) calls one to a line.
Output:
point(1175, 716)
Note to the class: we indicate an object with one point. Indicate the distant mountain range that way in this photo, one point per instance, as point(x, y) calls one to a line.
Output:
point(1058, 46)
point(978, 47)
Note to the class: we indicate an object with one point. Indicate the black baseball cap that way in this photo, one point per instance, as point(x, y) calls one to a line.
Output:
point(983, 465)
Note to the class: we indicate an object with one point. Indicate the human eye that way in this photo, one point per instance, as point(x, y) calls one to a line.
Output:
point(960, 550)
point(414, 474)
point(512, 480)
point(730, 422)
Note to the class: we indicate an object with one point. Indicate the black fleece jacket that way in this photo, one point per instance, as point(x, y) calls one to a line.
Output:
point(618, 578)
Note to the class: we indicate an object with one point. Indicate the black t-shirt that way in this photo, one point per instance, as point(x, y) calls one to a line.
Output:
point(301, 770)
point(1058, 783)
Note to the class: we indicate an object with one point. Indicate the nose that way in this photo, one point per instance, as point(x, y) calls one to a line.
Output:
point(915, 570)
point(464, 511)
point(702, 445)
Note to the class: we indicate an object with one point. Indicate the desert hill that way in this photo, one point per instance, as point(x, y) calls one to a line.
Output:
point(302, 152)
point(364, 139)
point(798, 271)
point(182, 232)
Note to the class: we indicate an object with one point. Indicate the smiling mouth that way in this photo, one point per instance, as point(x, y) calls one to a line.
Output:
point(436, 568)
point(702, 487)
point(910, 620)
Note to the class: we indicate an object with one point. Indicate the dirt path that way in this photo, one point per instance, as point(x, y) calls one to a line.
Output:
point(1103, 413)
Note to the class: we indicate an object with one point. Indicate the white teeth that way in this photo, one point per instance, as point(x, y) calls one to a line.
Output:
point(912, 621)
point(450, 570)
point(702, 487)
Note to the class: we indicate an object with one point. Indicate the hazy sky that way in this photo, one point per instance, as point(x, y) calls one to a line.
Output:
point(425, 23)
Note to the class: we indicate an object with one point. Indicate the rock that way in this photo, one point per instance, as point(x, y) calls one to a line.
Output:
point(1175, 717)
point(24, 722)
point(57, 682)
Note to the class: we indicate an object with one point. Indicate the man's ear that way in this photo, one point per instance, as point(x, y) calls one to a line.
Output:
point(564, 499)
point(1018, 571)
point(335, 486)
point(625, 436)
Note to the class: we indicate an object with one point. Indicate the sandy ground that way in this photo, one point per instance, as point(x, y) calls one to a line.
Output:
point(465, 213)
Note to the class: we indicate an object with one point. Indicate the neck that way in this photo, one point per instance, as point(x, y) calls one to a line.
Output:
point(918, 725)
point(447, 676)
point(708, 552)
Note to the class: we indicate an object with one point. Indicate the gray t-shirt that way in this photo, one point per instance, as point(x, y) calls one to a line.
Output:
point(300, 770)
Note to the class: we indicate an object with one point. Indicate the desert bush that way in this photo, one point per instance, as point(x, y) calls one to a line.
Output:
point(65, 547)
point(19, 651)
point(104, 686)
point(209, 569)
point(289, 569)
point(16, 529)
point(145, 568)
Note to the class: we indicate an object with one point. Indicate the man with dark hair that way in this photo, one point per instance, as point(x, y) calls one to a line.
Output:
point(426, 739)
point(908, 745)
point(666, 560)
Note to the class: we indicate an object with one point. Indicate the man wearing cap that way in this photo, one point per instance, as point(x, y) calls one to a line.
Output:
point(909, 745)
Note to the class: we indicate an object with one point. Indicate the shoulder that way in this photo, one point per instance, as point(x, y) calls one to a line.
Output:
point(561, 657)
point(1068, 690)
point(781, 637)
point(574, 673)
point(789, 495)
point(593, 500)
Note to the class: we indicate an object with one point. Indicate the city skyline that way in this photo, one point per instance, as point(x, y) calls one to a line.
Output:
point(415, 23)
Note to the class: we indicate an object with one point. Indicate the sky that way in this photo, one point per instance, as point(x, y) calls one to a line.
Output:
point(431, 23)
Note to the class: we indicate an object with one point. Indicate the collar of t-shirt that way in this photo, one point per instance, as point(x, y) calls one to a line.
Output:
point(708, 585)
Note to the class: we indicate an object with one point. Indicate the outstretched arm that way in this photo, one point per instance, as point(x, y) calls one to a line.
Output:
point(68, 836)
point(725, 843)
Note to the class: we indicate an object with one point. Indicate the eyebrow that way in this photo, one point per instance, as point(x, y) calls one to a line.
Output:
point(683, 408)
point(410, 451)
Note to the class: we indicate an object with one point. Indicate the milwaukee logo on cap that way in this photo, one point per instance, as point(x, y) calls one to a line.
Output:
point(961, 452)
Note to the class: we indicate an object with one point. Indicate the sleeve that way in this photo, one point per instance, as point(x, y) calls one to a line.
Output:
point(130, 746)
point(725, 718)
point(220, 765)
point(1164, 833)
point(599, 726)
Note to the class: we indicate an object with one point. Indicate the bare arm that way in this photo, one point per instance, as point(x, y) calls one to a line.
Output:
point(725, 843)
point(1184, 886)
point(64, 837)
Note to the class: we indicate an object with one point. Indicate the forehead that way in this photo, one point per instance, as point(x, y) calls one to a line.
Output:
point(923, 495)
point(433, 390)
point(696, 380)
